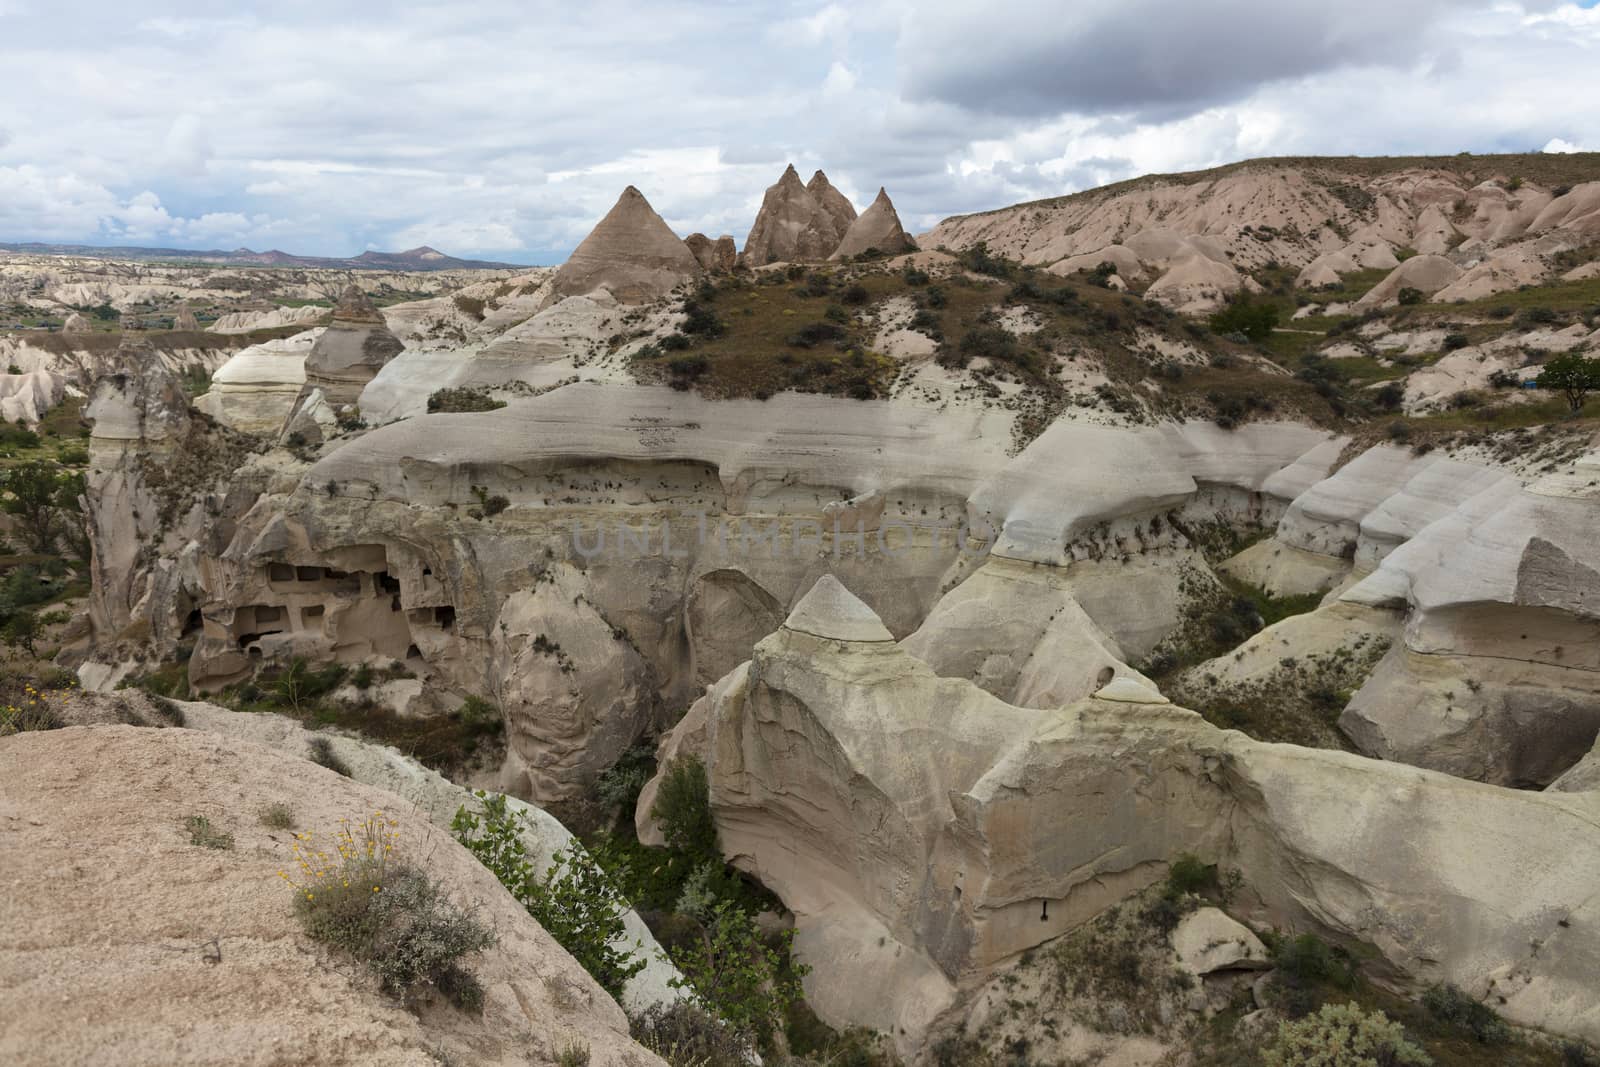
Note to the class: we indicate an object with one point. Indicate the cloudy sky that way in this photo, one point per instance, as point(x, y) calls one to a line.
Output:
point(504, 129)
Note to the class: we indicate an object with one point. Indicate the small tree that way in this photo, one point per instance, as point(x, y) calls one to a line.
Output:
point(1254, 319)
point(36, 492)
point(737, 976)
point(21, 630)
point(1574, 376)
point(574, 901)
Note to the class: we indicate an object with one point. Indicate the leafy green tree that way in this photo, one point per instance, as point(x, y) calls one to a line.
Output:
point(575, 900)
point(21, 630)
point(1255, 319)
point(43, 499)
point(738, 976)
point(1572, 375)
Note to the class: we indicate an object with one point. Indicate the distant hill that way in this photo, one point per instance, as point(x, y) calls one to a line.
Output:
point(413, 259)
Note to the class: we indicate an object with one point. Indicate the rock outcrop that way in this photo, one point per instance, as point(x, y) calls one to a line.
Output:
point(185, 320)
point(631, 253)
point(204, 960)
point(877, 229)
point(715, 257)
point(356, 345)
point(797, 222)
point(257, 388)
point(1427, 274)
point(889, 807)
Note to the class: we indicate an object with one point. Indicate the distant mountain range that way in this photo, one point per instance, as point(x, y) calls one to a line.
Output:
point(412, 259)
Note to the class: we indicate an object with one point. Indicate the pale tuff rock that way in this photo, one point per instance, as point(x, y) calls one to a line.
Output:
point(715, 257)
point(1124, 259)
point(141, 976)
point(874, 796)
point(185, 320)
point(1195, 284)
point(833, 203)
point(1208, 940)
point(436, 798)
point(257, 388)
point(1426, 273)
point(631, 253)
point(831, 611)
point(77, 322)
point(26, 397)
point(797, 223)
point(575, 694)
point(878, 228)
point(350, 352)
point(246, 321)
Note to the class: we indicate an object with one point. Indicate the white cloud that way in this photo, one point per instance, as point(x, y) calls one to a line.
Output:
point(324, 129)
point(1557, 144)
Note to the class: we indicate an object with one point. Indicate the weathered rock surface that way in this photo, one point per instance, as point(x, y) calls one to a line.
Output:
point(715, 257)
point(1207, 941)
point(257, 388)
point(631, 253)
point(1427, 274)
point(877, 798)
point(797, 222)
point(878, 229)
point(203, 959)
point(350, 352)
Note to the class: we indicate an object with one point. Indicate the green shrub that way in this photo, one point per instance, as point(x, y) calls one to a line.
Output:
point(683, 808)
point(1254, 319)
point(1409, 296)
point(855, 293)
point(470, 306)
point(737, 976)
point(465, 399)
point(278, 816)
point(1450, 1005)
point(1190, 874)
point(686, 1035)
point(813, 334)
point(203, 834)
point(1343, 1036)
point(299, 686)
point(573, 1056)
point(1454, 341)
point(387, 914)
point(322, 753)
point(575, 900)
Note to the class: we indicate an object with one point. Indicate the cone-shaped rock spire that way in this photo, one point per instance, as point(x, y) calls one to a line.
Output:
point(632, 252)
point(878, 227)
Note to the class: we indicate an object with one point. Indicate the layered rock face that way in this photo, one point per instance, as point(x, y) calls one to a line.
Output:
point(631, 253)
point(878, 229)
point(915, 826)
point(798, 221)
point(356, 345)
point(257, 388)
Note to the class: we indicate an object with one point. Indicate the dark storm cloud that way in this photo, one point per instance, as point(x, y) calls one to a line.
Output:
point(1156, 59)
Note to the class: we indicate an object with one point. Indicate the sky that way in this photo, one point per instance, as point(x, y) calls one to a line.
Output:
point(504, 130)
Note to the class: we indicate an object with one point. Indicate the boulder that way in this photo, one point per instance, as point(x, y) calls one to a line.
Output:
point(1208, 940)
point(631, 253)
point(715, 257)
point(878, 228)
point(77, 322)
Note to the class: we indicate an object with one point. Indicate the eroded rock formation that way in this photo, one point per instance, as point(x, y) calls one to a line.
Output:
point(925, 832)
point(631, 253)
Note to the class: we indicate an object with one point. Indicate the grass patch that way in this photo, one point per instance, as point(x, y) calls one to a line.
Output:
point(277, 816)
point(205, 835)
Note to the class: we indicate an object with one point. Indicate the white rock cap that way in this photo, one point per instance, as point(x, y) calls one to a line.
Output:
point(832, 611)
point(1125, 690)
